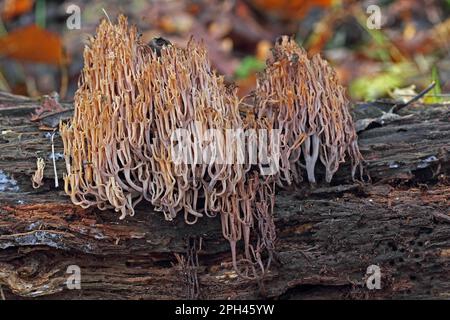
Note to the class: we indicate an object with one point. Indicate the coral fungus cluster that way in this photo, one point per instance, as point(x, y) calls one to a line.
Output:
point(302, 98)
point(119, 144)
point(136, 108)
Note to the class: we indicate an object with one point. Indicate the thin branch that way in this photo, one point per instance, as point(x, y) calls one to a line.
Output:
point(396, 108)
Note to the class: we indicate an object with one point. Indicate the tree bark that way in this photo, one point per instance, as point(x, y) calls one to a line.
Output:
point(327, 235)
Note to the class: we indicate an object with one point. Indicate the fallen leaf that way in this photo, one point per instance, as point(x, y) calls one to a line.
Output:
point(13, 8)
point(34, 44)
point(290, 9)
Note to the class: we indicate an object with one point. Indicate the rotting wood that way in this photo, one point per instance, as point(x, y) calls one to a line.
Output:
point(327, 236)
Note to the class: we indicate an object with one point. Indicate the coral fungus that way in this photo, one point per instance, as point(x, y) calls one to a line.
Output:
point(302, 97)
point(155, 122)
point(120, 149)
point(38, 175)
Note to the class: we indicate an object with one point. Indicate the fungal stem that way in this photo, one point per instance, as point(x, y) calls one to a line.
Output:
point(311, 153)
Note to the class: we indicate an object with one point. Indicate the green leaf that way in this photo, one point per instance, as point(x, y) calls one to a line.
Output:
point(434, 96)
point(377, 85)
point(248, 66)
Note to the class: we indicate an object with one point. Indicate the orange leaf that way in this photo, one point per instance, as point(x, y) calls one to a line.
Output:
point(14, 8)
point(34, 44)
point(290, 9)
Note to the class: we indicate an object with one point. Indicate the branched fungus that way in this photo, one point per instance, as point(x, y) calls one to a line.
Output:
point(138, 132)
point(302, 98)
point(105, 144)
point(155, 122)
point(38, 175)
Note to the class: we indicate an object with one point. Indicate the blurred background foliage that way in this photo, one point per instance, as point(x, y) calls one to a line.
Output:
point(40, 55)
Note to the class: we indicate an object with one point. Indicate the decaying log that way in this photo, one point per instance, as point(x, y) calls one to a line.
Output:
point(327, 235)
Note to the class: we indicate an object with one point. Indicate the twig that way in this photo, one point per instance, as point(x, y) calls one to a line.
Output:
point(396, 108)
point(106, 14)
